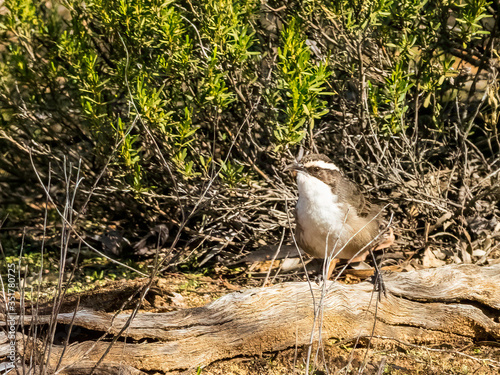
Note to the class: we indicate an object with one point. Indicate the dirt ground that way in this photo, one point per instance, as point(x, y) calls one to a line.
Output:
point(381, 358)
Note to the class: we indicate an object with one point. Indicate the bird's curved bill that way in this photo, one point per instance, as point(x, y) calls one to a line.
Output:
point(294, 167)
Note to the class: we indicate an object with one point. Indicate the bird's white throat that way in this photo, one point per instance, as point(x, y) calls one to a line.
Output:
point(314, 190)
point(317, 205)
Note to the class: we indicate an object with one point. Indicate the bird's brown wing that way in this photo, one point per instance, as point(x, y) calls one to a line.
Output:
point(365, 219)
point(350, 192)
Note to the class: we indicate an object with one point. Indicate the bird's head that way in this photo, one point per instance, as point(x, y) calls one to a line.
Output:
point(315, 165)
point(317, 176)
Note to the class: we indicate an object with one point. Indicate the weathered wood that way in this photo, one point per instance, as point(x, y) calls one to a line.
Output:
point(444, 305)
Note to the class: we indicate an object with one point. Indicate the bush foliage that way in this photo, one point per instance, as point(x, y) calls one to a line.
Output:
point(184, 112)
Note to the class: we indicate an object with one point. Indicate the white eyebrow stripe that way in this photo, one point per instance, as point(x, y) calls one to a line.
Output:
point(321, 164)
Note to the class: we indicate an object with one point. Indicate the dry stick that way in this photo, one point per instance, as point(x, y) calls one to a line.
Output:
point(93, 188)
point(375, 285)
point(465, 151)
point(40, 274)
point(383, 151)
point(214, 145)
point(305, 269)
point(251, 162)
point(41, 261)
point(358, 337)
point(296, 345)
point(363, 161)
point(118, 335)
point(69, 334)
point(70, 225)
point(470, 124)
point(320, 311)
point(203, 48)
point(364, 101)
point(120, 310)
point(478, 152)
point(65, 237)
point(278, 270)
point(377, 300)
point(48, 342)
point(381, 366)
point(21, 298)
point(274, 258)
point(205, 192)
point(66, 343)
point(298, 250)
point(371, 298)
point(307, 275)
point(144, 291)
point(362, 77)
point(487, 253)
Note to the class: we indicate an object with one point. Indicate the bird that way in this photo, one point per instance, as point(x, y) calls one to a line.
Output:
point(334, 220)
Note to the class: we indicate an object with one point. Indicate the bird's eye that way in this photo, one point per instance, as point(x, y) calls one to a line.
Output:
point(315, 169)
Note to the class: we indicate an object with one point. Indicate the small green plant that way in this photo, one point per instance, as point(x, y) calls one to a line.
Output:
point(191, 284)
point(470, 13)
point(232, 174)
point(183, 135)
point(97, 275)
point(301, 83)
point(130, 155)
point(395, 98)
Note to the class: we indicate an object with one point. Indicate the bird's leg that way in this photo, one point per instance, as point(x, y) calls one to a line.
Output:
point(331, 267)
point(360, 258)
point(377, 277)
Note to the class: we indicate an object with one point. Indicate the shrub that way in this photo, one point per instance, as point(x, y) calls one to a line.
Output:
point(178, 110)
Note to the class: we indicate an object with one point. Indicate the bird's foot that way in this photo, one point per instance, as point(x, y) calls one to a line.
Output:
point(377, 279)
point(379, 284)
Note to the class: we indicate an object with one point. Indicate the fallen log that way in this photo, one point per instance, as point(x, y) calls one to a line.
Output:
point(446, 305)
